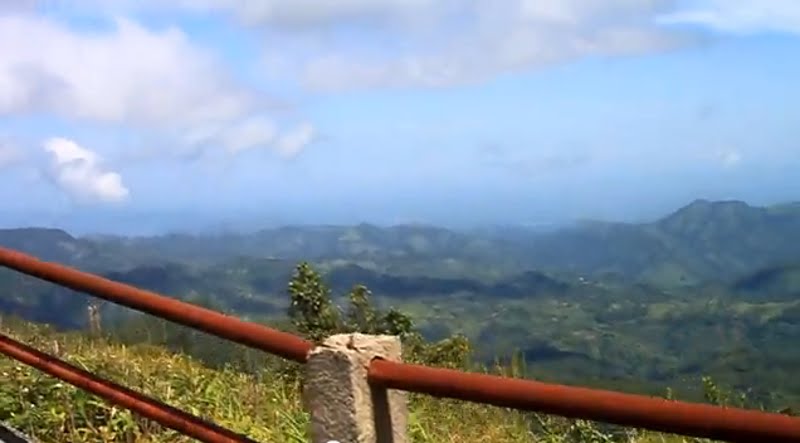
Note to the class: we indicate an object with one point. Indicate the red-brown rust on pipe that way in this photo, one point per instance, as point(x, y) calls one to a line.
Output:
point(250, 334)
point(166, 415)
point(691, 419)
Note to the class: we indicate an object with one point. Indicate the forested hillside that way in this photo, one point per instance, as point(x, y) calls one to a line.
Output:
point(712, 289)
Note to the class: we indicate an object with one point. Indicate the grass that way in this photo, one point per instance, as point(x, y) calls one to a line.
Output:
point(265, 406)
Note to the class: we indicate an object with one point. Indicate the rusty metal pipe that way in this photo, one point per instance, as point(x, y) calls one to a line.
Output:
point(166, 415)
point(691, 419)
point(249, 334)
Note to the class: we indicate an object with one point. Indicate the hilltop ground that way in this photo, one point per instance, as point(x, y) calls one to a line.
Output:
point(263, 405)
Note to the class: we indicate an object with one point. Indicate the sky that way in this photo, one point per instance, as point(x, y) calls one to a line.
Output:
point(146, 116)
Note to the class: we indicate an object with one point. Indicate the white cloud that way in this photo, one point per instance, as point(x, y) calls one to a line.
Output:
point(430, 43)
point(79, 173)
point(481, 39)
point(494, 38)
point(741, 16)
point(248, 134)
point(305, 13)
point(258, 132)
point(295, 140)
point(132, 76)
point(283, 14)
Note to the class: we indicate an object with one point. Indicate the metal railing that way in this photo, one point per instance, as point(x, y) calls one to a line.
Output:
point(690, 419)
point(166, 415)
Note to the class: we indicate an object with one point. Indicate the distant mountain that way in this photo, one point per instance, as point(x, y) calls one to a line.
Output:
point(702, 241)
point(47, 244)
point(58, 246)
point(728, 238)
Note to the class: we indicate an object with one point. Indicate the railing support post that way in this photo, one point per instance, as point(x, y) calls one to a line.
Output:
point(343, 406)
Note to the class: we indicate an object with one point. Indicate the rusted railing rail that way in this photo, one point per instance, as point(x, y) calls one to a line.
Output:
point(693, 419)
point(249, 334)
point(697, 420)
point(166, 415)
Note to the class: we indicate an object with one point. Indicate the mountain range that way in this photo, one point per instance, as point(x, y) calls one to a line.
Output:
point(712, 288)
point(702, 241)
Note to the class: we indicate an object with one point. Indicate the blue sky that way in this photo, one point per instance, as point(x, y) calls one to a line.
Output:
point(123, 116)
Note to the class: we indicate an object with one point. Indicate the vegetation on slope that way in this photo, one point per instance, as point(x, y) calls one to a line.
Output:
point(598, 331)
point(262, 402)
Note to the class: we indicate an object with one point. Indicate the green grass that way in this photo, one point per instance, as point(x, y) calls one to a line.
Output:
point(264, 405)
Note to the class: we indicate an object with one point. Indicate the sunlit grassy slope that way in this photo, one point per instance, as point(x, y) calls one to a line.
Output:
point(265, 406)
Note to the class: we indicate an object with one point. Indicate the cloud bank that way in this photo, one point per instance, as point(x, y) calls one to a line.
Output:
point(154, 80)
point(334, 46)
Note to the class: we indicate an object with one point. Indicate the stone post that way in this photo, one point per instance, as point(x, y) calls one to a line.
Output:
point(343, 406)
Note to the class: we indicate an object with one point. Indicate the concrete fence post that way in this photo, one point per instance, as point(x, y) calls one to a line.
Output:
point(343, 406)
